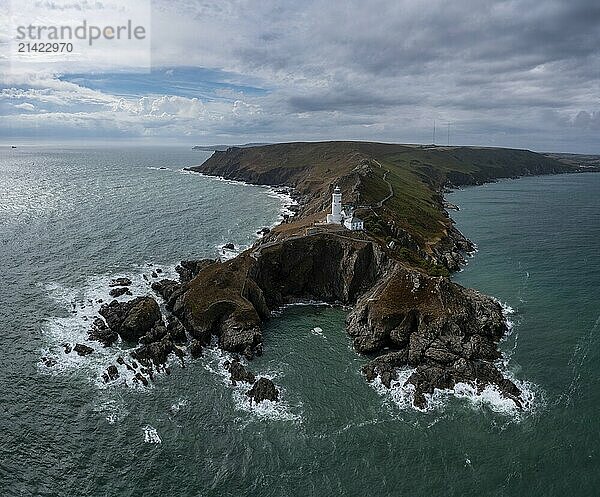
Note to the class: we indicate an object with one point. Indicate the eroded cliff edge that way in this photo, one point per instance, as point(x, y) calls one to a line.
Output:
point(405, 310)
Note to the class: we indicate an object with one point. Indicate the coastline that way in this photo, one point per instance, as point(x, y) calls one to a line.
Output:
point(404, 312)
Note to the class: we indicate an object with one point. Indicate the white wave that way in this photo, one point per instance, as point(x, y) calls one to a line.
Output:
point(176, 406)
point(318, 331)
point(402, 395)
point(400, 392)
point(82, 305)
point(276, 411)
point(226, 254)
point(151, 435)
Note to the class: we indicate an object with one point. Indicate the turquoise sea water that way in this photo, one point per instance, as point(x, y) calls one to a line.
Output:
point(72, 219)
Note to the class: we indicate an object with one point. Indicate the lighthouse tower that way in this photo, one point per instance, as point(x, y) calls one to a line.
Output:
point(336, 207)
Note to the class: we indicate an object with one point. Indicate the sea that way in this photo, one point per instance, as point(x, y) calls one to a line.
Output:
point(71, 219)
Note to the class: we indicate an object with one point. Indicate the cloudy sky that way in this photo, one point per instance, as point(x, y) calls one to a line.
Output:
point(516, 73)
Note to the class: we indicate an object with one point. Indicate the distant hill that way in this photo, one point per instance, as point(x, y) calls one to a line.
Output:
point(222, 148)
point(581, 161)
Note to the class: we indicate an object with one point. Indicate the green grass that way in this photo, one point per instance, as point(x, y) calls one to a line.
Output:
point(416, 173)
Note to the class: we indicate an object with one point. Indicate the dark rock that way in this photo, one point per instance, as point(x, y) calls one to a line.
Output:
point(195, 348)
point(67, 347)
point(112, 372)
point(49, 361)
point(263, 389)
point(120, 282)
point(157, 333)
point(237, 372)
point(166, 288)
point(154, 274)
point(229, 246)
point(142, 379)
point(236, 337)
point(159, 270)
point(82, 350)
point(132, 319)
point(176, 330)
point(187, 270)
point(155, 352)
point(263, 231)
point(102, 333)
point(117, 292)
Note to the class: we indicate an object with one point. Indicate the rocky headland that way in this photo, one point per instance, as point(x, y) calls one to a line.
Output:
point(405, 311)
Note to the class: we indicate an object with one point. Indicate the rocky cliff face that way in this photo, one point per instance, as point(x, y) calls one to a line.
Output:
point(231, 299)
point(403, 316)
point(449, 333)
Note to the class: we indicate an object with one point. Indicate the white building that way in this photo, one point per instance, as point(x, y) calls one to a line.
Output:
point(354, 223)
point(338, 216)
point(336, 207)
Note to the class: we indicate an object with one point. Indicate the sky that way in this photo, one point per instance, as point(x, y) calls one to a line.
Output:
point(511, 73)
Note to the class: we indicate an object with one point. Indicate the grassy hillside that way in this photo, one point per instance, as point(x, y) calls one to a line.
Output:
point(413, 217)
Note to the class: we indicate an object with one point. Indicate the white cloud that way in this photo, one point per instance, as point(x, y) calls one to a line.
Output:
point(24, 106)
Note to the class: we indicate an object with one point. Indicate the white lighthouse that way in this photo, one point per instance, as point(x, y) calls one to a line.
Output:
point(336, 207)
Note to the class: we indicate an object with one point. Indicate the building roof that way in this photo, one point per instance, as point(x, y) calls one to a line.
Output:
point(355, 219)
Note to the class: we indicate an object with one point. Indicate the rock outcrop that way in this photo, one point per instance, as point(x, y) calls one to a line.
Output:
point(263, 389)
point(132, 319)
point(230, 300)
point(448, 333)
point(100, 332)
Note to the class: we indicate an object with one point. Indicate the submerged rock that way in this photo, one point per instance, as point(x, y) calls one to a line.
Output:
point(117, 292)
point(82, 349)
point(120, 282)
point(263, 389)
point(100, 332)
